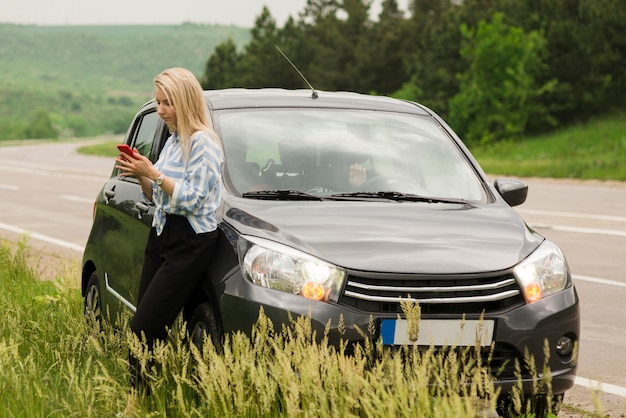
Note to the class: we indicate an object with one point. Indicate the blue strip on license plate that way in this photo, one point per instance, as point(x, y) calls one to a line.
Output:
point(439, 332)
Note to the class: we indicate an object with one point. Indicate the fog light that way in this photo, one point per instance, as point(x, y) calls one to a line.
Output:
point(564, 346)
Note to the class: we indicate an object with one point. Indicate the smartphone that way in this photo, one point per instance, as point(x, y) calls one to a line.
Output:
point(125, 149)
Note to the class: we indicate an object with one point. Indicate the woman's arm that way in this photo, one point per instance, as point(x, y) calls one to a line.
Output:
point(146, 186)
point(202, 176)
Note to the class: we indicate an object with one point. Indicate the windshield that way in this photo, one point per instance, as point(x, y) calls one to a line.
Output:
point(325, 152)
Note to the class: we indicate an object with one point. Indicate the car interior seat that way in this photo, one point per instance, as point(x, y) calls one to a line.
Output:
point(297, 161)
point(244, 175)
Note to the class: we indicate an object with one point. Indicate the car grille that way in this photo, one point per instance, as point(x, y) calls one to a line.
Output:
point(436, 294)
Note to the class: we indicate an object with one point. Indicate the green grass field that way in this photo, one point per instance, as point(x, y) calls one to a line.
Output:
point(591, 150)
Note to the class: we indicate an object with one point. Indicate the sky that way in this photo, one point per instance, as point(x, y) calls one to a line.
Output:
point(131, 12)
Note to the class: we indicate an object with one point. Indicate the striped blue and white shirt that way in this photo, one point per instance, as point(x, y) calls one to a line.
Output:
point(198, 183)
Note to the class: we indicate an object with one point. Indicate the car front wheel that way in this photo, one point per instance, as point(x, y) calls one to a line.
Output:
point(204, 324)
point(92, 301)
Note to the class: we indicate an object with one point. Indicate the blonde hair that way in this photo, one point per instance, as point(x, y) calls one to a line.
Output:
point(184, 93)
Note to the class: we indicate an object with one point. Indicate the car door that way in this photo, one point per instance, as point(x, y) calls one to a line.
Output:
point(150, 138)
point(129, 215)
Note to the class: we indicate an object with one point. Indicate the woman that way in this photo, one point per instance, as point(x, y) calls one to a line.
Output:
point(185, 186)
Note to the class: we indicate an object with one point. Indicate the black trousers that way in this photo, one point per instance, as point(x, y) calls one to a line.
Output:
point(174, 264)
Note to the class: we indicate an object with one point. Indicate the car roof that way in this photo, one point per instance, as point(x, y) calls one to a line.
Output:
point(240, 98)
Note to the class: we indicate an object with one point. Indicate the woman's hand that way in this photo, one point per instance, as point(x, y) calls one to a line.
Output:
point(139, 166)
point(136, 165)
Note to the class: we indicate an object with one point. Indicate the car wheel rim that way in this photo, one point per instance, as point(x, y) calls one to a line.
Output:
point(92, 302)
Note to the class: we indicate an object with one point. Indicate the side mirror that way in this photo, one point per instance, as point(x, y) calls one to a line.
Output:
point(513, 191)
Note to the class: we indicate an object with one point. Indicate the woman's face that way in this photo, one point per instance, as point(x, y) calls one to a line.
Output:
point(165, 109)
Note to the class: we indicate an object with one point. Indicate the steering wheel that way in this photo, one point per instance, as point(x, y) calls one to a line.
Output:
point(387, 184)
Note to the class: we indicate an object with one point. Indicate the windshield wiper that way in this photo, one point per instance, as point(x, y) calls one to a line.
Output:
point(281, 195)
point(396, 196)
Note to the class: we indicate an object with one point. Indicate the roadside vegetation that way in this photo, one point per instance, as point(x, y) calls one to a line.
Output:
point(82, 81)
point(496, 70)
point(508, 78)
point(595, 149)
point(55, 363)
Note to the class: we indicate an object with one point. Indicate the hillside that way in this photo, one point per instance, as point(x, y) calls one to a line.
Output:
point(89, 80)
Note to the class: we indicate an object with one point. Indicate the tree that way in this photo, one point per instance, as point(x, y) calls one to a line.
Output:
point(587, 53)
point(222, 67)
point(570, 54)
point(354, 45)
point(387, 50)
point(258, 65)
point(432, 50)
point(41, 127)
point(293, 44)
point(498, 93)
point(321, 28)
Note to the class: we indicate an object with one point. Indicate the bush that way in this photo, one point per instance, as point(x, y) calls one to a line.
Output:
point(41, 126)
point(498, 92)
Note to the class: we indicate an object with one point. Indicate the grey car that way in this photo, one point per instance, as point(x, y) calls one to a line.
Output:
point(337, 205)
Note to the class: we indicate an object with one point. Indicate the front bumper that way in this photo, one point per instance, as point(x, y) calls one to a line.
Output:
point(524, 332)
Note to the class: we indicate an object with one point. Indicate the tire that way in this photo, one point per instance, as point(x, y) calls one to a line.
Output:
point(92, 302)
point(539, 406)
point(204, 324)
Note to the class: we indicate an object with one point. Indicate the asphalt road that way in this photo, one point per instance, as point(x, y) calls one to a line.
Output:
point(48, 191)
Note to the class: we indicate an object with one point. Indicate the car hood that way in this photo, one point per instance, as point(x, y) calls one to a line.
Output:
point(395, 237)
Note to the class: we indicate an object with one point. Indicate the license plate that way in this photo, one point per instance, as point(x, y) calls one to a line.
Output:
point(439, 332)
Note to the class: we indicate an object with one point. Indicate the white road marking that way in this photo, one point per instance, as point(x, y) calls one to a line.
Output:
point(76, 198)
point(598, 280)
point(50, 171)
point(581, 381)
point(8, 187)
point(573, 215)
point(44, 238)
point(599, 386)
point(595, 231)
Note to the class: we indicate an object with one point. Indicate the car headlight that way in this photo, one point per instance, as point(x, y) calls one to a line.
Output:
point(543, 273)
point(276, 266)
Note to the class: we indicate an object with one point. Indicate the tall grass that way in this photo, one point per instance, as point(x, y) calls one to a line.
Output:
point(54, 363)
point(51, 362)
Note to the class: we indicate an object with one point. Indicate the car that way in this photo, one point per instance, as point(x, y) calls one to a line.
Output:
point(339, 205)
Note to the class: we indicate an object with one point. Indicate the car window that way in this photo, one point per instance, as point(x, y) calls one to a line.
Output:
point(312, 150)
point(145, 133)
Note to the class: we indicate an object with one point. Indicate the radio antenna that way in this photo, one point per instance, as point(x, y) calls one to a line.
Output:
point(313, 92)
